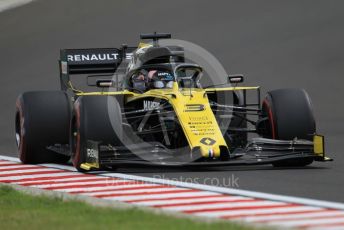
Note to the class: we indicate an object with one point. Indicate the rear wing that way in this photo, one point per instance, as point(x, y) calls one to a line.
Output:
point(91, 61)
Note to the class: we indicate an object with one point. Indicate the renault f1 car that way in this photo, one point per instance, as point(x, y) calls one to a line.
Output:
point(146, 105)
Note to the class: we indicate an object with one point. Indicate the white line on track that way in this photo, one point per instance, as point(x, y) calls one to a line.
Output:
point(161, 196)
point(96, 189)
point(106, 183)
point(3, 168)
point(324, 213)
point(37, 176)
point(255, 211)
point(312, 222)
point(76, 178)
point(327, 228)
point(9, 4)
point(190, 200)
point(6, 163)
point(65, 167)
point(114, 188)
point(252, 204)
point(267, 196)
point(113, 193)
point(27, 171)
point(231, 191)
point(195, 199)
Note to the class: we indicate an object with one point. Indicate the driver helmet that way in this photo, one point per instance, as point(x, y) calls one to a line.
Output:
point(160, 79)
point(139, 82)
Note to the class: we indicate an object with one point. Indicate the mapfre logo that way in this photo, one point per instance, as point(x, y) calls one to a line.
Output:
point(150, 105)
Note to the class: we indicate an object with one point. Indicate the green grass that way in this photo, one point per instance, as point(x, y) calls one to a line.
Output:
point(23, 211)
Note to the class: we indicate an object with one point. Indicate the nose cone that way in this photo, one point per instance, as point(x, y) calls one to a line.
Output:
point(199, 123)
point(209, 148)
point(210, 152)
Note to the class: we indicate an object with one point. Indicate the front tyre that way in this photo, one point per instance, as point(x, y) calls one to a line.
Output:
point(92, 121)
point(290, 115)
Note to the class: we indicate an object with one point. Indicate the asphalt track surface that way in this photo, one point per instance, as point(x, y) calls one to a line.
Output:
point(275, 44)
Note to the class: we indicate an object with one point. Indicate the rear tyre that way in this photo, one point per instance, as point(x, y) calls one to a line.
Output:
point(92, 121)
point(290, 115)
point(42, 120)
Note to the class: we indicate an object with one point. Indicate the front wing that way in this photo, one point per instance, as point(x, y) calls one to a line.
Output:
point(259, 151)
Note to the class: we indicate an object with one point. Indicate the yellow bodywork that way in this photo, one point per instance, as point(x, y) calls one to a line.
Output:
point(319, 147)
point(200, 127)
point(89, 166)
point(195, 116)
point(193, 111)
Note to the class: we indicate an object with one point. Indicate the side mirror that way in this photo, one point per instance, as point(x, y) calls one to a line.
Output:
point(236, 78)
point(104, 83)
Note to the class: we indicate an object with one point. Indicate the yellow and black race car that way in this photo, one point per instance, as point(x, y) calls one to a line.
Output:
point(150, 109)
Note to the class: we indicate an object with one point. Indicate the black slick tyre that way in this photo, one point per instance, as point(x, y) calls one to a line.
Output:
point(42, 120)
point(96, 119)
point(290, 115)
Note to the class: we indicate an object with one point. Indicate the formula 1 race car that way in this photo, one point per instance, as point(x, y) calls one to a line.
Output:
point(150, 109)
